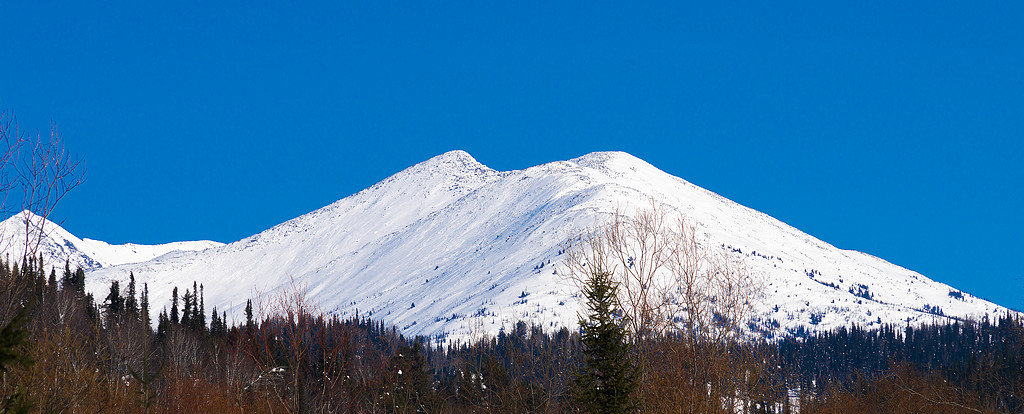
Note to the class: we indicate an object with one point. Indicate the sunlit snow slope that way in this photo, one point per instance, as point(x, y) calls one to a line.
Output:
point(449, 248)
point(58, 245)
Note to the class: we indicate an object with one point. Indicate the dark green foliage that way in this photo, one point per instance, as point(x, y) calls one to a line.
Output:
point(52, 282)
point(606, 382)
point(73, 281)
point(217, 328)
point(114, 303)
point(408, 381)
point(66, 280)
point(186, 310)
point(163, 324)
point(131, 306)
point(90, 307)
point(248, 315)
point(174, 306)
point(38, 274)
point(193, 316)
point(144, 304)
point(12, 337)
point(200, 315)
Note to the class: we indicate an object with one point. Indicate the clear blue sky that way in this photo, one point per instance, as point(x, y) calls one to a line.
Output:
point(891, 129)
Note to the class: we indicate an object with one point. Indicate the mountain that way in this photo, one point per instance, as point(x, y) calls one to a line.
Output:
point(451, 248)
point(58, 245)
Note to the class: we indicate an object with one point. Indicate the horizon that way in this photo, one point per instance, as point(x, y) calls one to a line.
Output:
point(891, 131)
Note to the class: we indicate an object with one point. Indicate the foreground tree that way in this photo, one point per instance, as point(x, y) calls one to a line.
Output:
point(606, 383)
point(12, 337)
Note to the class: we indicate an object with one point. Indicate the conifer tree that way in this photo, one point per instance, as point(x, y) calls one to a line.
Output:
point(174, 306)
point(248, 315)
point(607, 380)
point(201, 320)
point(12, 336)
point(39, 277)
point(90, 307)
point(408, 379)
point(114, 302)
point(52, 282)
point(215, 328)
point(79, 280)
point(163, 323)
point(66, 281)
point(131, 306)
point(145, 305)
point(186, 312)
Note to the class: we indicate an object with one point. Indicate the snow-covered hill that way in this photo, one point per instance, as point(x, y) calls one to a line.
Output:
point(58, 245)
point(451, 248)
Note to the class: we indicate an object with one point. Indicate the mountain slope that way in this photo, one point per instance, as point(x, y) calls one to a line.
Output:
point(57, 245)
point(451, 247)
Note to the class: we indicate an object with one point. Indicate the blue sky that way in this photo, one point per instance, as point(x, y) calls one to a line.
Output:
point(891, 129)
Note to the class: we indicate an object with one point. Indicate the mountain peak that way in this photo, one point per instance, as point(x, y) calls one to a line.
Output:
point(16, 224)
point(455, 165)
point(449, 248)
point(22, 215)
point(613, 163)
point(458, 160)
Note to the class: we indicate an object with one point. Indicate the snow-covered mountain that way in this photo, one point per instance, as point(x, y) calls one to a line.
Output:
point(58, 245)
point(451, 248)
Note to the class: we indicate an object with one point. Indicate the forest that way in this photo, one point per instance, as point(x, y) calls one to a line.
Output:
point(62, 350)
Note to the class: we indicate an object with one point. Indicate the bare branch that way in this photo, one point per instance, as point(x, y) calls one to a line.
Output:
point(45, 176)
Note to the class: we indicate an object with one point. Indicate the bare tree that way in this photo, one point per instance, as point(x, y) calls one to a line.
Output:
point(43, 172)
point(715, 291)
point(672, 283)
point(12, 140)
point(636, 251)
point(45, 175)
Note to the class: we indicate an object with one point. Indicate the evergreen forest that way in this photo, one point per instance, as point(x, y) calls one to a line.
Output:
point(62, 350)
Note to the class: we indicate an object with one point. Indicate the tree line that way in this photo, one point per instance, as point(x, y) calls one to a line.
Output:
point(61, 351)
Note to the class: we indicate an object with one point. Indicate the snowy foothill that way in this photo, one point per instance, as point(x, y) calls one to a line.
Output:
point(57, 245)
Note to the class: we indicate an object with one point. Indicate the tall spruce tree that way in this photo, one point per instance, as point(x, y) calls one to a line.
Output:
point(201, 318)
point(12, 336)
point(39, 277)
point(163, 323)
point(114, 303)
point(248, 315)
point(214, 322)
point(606, 382)
point(79, 280)
point(131, 306)
point(144, 305)
point(186, 311)
point(174, 306)
point(67, 281)
point(51, 283)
